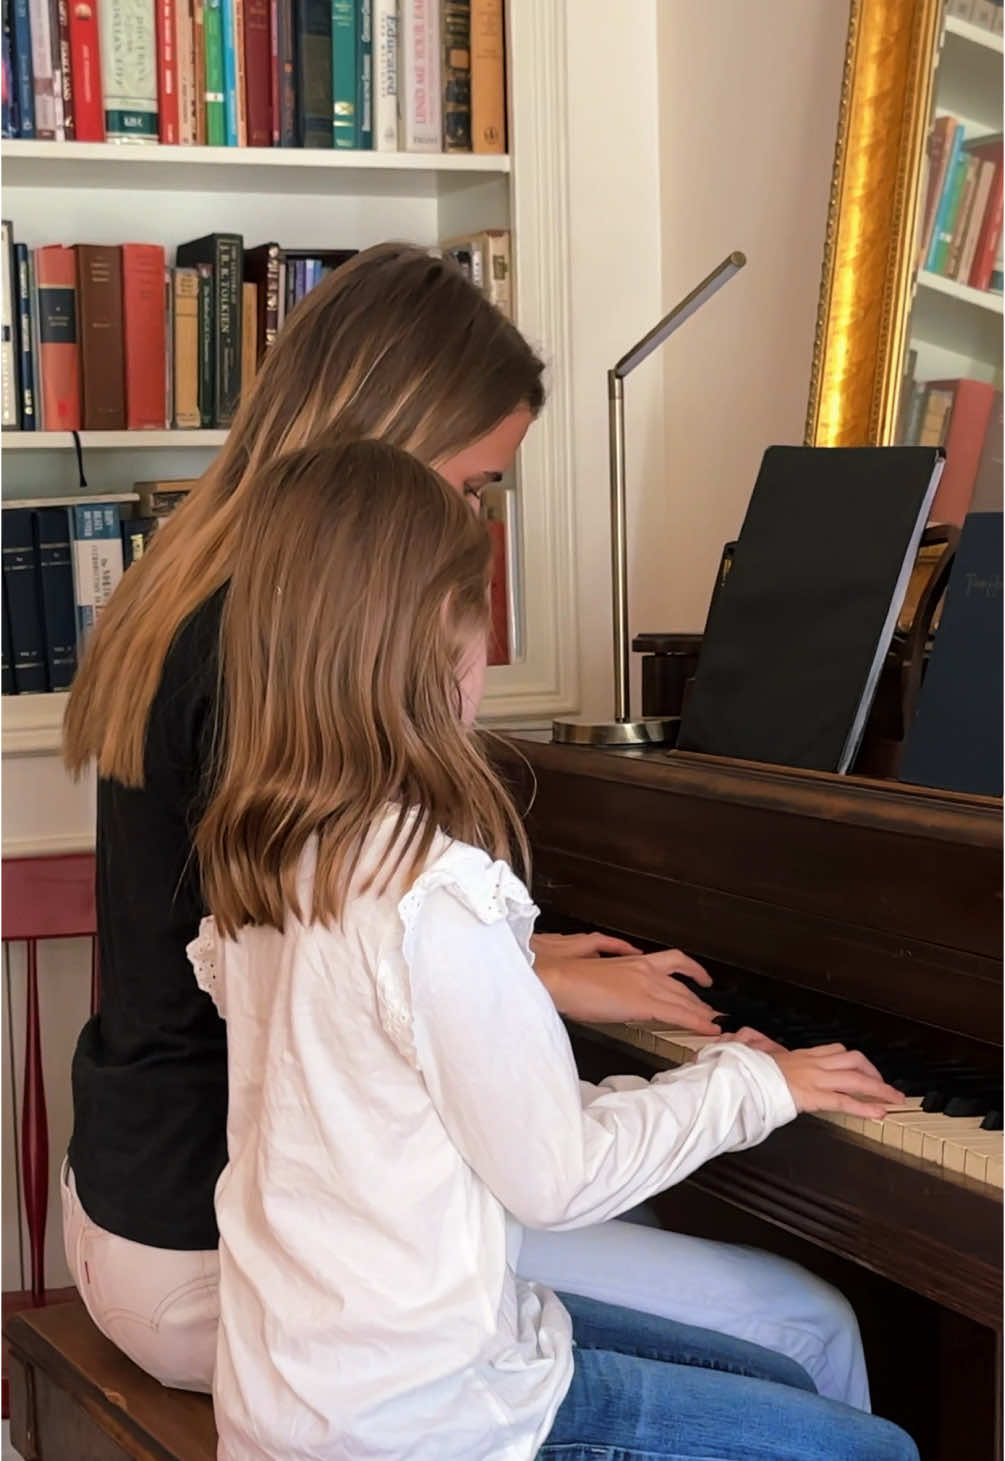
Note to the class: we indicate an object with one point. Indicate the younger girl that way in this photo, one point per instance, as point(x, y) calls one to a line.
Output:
point(403, 1099)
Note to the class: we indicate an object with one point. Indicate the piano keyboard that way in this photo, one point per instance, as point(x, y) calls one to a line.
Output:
point(953, 1143)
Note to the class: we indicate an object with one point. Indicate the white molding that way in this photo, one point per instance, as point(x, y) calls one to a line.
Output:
point(32, 725)
point(54, 846)
point(111, 440)
point(546, 683)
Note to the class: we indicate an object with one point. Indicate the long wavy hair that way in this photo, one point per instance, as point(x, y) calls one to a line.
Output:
point(395, 345)
point(360, 590)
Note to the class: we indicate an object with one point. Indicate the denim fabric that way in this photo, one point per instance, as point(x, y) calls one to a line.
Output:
point(647, 1390)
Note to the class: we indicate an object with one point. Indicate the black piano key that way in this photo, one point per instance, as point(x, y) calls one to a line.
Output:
point(992, 1121)
point(975, 1105)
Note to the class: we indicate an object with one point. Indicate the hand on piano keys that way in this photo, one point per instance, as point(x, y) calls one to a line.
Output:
point(600, 980)
point(967, 1144)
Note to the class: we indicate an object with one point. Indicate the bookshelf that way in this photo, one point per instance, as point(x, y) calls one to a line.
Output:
point(106, 193)
point(955, 330)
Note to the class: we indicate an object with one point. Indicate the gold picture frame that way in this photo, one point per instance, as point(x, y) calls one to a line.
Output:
point(872, 222)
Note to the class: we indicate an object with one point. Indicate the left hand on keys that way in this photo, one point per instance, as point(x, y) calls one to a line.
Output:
point(626, 985)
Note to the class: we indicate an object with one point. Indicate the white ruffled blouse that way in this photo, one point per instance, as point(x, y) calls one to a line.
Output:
point(403, 1100)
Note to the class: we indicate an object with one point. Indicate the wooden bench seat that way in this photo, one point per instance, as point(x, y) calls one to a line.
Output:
point(75, 1397)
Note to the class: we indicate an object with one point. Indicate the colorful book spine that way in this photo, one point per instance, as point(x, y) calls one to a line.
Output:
point(456, 75)
point(987, 243)
point(385, 75)
point(982, 193)
point(167, 362)
point(66, 81)
point(420, 79)
point(136, 534)
point(285, 124)
point(488, 77)
point(143, 334)
point(946, 222)
point(59, 350)
point(97, 562)
point(26, 353)
point(43, 81)
point(186, 72)
point(240, 59)
point(312, 21)
point(230, 42)
point(59, 617)
point(129, 70)
point(946, 197)
point(344, 125)
point(57, 69)
point(223, 252)
point(258, 71)
point(216, 106)
point(21, 61)
point(23, 602)
point(207, 345)
point(186, 349)
point(199, 68)
point(85, 62)
point(99, 297)
point(364, 73)
point(10, 391)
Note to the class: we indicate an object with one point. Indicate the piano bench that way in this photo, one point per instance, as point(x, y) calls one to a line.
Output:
point(74, 1395)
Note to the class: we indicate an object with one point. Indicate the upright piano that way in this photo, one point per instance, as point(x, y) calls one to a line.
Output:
point(825, 908)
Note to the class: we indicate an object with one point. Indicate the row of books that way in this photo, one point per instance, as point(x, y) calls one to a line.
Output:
point(965, 417)
point(414, 75)
point(62, 563)
point(986, 14)
point(113, 338)
point(961, 224)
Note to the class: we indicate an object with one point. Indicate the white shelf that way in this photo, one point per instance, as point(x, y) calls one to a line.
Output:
point(243, 169)
point(988, 40)
point(110, 440)
point(72, 499)
point(978, 298)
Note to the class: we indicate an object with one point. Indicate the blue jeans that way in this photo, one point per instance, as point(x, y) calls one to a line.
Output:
point(644, 1389)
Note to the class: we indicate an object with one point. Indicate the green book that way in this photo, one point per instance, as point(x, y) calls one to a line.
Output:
point(944, 242)
point(216, 121)
point(344, 79)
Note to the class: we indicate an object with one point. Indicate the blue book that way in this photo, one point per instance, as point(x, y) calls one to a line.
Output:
point(97, 561)
point(26, 350)
point(955, 742)
point(59, 609)
point(7, 684)
point(364, 74)
point(24, 76)
point(24, 604)
point(230, 43)
point(8, 122)
point(946, 197)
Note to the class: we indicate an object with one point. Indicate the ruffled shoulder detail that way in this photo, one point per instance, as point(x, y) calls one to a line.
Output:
point(204, 956)
point(490, 890)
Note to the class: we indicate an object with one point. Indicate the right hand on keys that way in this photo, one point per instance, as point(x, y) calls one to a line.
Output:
point(831, 1078)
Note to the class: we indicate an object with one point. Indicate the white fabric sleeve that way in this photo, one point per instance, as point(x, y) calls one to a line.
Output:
point(499, 1068)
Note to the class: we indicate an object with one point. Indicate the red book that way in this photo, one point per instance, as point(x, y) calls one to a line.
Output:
point(274, 70)
point(258, 72)
point(58, 336)
point(168, 111)
point(498, 597)
point(85, 61)
point(968, 426)
point(987, 243)
point(144, 335)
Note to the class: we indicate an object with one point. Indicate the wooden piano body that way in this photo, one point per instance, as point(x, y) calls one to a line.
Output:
point(881, 902)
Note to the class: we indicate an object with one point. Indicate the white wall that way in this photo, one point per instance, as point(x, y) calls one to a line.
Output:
point(614, 172)
point(748, 105)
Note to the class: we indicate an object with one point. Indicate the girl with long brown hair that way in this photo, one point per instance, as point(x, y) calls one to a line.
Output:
point(403, 1097)
point(398, 346)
